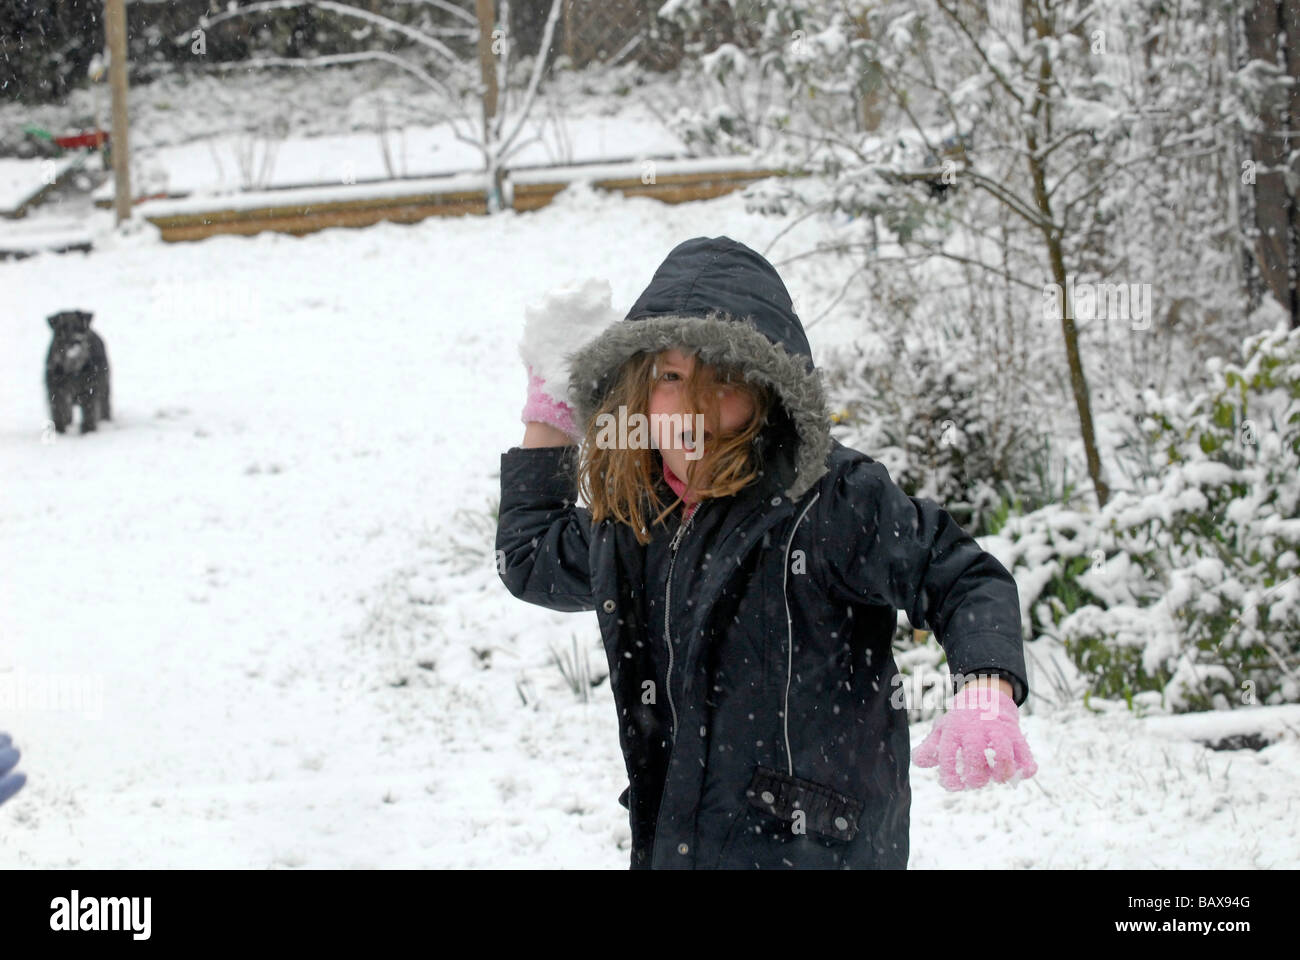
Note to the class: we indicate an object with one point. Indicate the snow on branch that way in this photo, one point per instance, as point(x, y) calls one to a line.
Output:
point(334, 59)
point(340, 8)
point(444, 5)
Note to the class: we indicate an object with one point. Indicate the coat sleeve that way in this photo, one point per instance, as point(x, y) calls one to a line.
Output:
point(543, 536)
point(886, 548)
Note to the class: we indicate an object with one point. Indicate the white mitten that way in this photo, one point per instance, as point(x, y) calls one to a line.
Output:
point(554, 329)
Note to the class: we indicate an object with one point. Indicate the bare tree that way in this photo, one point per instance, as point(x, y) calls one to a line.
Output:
point(486, 76)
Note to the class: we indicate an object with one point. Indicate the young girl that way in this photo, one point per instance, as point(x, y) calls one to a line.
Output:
point(749, 635)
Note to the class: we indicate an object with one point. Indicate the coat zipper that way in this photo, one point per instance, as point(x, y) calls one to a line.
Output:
point(789, 636)
point(668, 607)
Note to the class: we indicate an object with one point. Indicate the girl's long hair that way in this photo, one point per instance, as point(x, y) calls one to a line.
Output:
point(623, 483)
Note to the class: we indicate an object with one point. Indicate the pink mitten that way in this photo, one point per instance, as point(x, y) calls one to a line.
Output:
point(979, 718)
point(543, 407)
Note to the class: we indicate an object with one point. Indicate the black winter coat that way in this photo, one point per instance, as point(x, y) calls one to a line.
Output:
point(779, 737)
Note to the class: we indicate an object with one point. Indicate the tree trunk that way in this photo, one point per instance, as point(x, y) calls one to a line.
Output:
point(1070, 334)
point(487, 19)
point(1056, 257)
point(1277, 220)
point(871, 104)
point(1291, 24)
point(568, 30)
point(486, 10)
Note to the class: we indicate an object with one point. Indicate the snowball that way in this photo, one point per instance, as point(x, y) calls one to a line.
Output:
point(566, 319)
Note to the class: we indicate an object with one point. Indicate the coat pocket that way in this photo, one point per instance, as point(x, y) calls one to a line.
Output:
point(826, 812)
point(770, 833)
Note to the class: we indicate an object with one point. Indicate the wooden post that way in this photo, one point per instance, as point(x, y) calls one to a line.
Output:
point(115, 27)
point(486, 59)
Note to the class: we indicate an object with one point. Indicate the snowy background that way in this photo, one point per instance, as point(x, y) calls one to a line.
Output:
point(273, 569)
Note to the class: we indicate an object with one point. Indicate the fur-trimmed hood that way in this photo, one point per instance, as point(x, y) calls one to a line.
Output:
point(722, 299)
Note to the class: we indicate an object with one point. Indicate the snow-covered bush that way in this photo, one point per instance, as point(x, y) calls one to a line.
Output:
point(937, 413)
point(757, 66)
point(1185, 588)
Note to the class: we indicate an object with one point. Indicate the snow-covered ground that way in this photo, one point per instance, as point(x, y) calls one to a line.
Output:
point(268, 583)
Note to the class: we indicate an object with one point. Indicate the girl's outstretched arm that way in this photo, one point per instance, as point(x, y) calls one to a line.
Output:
point(884, 547)
point(543, 536)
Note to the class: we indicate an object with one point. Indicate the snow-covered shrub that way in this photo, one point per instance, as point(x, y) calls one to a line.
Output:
point(757, 66)
point(1185, 585)
point(944, 424)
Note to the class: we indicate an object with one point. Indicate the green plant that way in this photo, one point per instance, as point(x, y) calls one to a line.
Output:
point(576, 670)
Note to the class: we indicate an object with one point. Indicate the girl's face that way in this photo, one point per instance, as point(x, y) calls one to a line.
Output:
point(733, 409)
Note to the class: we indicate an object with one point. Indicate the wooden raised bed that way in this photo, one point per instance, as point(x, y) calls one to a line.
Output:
point(303, 218)
point(669, 188)
point(305, 210)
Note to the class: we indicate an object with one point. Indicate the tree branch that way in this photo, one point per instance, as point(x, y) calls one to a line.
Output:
point(1031, 216)
point(997, 74)
point(539, 67)
point(340, 8)
point(442, 5)
point(333, 59)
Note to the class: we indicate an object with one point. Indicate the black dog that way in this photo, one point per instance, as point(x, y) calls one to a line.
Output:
point(76, 371)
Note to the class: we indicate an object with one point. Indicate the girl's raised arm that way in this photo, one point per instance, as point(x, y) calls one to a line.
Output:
point(544, 435)
point(543, 536)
